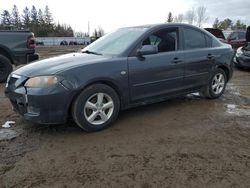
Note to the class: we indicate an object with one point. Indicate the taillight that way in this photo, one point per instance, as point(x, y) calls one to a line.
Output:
point(31, 42)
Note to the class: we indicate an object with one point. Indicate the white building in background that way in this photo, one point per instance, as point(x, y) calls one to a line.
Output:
point(55, 41)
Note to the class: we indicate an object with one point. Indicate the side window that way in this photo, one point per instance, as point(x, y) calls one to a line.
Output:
point(154, 40)
point(166, 40)
point(234, 36)
point(193, 39)
point(242, 35)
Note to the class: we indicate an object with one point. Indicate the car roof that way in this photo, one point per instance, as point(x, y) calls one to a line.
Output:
point(161, 25)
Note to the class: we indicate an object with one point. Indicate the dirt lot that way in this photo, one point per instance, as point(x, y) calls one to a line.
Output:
point(184, 142)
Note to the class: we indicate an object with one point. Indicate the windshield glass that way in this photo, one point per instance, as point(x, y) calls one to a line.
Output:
point(116, 42)
point(227, 33)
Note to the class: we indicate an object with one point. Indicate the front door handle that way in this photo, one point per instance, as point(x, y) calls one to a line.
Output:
point(176, 60)
point(210, 56)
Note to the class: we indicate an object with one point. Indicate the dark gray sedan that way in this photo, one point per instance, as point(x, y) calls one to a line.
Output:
point(123, 69)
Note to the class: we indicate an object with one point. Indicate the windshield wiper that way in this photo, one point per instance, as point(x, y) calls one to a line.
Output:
point(91, 52)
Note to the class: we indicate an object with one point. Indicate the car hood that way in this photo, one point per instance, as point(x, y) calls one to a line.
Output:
point(58, 64)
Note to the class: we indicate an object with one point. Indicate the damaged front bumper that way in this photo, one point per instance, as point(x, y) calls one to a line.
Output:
point(41, 105)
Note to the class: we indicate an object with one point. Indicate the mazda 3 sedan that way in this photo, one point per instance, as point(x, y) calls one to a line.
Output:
point(123, 69)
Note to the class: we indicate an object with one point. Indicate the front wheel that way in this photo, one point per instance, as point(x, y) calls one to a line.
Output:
point(216, 85)
point(96, 108)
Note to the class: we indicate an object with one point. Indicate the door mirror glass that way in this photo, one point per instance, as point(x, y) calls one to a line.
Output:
point(147, 50)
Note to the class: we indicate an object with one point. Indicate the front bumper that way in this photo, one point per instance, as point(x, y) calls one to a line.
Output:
point(242, 61)
point(44, 106)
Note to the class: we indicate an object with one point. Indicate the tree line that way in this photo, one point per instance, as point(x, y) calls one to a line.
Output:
point(38, 21)
point(198, 16)
point(193, 16)
point(229, 24)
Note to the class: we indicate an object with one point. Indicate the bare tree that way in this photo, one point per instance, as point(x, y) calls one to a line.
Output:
point(201, 15)
point(190, 16)
point(179, 18)
point(216, 23)
point(100, 31)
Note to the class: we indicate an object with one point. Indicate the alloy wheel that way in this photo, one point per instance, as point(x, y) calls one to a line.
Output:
point(99, 108)
point(218, 83)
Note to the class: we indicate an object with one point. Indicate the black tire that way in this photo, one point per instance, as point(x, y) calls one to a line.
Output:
point(208, 90)
point(79, 110)
point(5, 68)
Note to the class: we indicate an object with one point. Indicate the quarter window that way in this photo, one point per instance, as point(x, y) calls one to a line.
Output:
point(193, 39)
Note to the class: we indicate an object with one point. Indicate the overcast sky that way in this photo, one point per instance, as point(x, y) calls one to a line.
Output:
point(111, 14)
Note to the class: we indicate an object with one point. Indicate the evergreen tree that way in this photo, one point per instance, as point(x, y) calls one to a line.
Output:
point(48, 16)
point(40, 17)
point(16, 21)
point(6, 18)
point(225, 24)
point(26, 18)
point(39, 22)
point(34, 15)
point(239, 26)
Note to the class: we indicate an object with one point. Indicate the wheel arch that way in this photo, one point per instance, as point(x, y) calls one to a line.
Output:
point(226, 70)
point(7, 53)
point(101, 81)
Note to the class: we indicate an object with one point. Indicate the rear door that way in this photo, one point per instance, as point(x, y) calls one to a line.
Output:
point(160, 73)
point(199, 57)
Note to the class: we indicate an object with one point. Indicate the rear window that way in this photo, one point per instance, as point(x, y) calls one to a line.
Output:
point(193, 39)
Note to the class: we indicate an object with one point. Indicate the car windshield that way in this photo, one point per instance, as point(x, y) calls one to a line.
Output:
point(115, 42)
point(227, 33)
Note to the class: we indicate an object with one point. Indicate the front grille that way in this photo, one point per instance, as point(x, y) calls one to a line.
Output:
point(247, 53)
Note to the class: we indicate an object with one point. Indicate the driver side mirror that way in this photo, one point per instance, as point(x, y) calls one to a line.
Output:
point(147, 50)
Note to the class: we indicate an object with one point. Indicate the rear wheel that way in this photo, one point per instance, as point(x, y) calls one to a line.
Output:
point(96, 108)
point(216, 85)
point(5, 68)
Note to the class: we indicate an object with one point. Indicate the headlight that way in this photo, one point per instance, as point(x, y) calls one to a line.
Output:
point(41, 81)
point(239, 52)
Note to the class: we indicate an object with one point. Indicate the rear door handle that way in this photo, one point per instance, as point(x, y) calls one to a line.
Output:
point(176, 60)
point(210, 56)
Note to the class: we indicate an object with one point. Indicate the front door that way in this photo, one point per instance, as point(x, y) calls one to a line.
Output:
point(160, 73)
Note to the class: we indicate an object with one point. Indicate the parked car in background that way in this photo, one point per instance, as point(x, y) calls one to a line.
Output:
point(16, 48)
point(73, 43)
point(126, 68)
point(235, 38)
point(217, 33)
point(242, 57)
point(64, 43)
